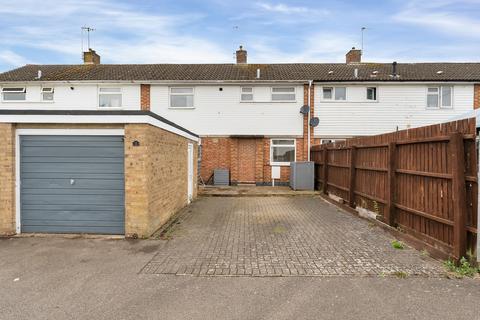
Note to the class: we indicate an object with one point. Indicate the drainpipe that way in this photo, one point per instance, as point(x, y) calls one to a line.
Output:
point(308, 120)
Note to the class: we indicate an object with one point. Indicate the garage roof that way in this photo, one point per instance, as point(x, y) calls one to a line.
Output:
point(322, 72)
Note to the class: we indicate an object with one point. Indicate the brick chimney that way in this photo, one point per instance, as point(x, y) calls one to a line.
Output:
point(91, 57)
point(353, 56)
point(241, 55)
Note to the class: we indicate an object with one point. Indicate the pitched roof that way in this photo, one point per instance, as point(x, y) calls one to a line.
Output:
point(247, 72)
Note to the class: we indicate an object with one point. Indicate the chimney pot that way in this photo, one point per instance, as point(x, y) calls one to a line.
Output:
point(241, 55)
point(353, 56)
point(91, 57)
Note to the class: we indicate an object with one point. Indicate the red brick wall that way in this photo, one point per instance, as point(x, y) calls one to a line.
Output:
point(222, 152)
point(145, 97)
point(306, 126)
point(476, 96)
point(215, 154)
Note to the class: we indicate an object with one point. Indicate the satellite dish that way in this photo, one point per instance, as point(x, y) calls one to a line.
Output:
point(314, 122)
point(304, 109)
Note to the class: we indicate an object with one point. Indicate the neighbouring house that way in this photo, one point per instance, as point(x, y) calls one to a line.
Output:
point(247, 117)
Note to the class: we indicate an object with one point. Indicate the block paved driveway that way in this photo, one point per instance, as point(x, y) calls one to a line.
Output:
point(281, 236)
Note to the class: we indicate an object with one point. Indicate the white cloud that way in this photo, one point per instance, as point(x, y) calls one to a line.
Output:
point(282, 8)
point(123, 33)
point(441, 16)
point(9, 57)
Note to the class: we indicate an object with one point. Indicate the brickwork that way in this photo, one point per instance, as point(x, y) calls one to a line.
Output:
point(7, 179)
point(155, 177)
point(145, 97)
point(476, 96)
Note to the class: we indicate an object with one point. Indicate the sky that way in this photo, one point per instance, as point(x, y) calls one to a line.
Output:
point(209, 31)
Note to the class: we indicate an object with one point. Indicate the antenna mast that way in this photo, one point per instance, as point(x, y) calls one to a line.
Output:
point(363, 29)
point(88, 30)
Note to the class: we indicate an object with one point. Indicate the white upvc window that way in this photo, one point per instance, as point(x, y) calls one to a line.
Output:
point(440, 97)
point(47, 94)
point(372, 93)
point(181, 97)
point(14, 94)
point(282, 151)
point(246, 94)
point(109, 97)
point(334, 93)
point(283, 94)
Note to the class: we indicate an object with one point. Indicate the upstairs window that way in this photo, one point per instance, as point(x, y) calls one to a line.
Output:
point(110, 98)
point(282, 151)
point(283, 94)
point(340, 93)
point(372, 93)
point(181, 97)
point(440, 97)
point(14, 94)
point(247, 94)
point(334, 93)
point(327, 93)
point(47, 94)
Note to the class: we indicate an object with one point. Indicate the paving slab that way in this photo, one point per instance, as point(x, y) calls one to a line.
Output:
point(282, 236)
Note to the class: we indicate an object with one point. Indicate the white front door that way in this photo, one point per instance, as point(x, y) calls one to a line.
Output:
point(190, 172)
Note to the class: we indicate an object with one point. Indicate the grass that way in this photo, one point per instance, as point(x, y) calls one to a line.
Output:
point(463, 269)
point(400, 274)
point(398, 245)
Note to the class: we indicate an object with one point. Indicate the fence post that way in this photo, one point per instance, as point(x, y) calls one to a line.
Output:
point(459, 197)
point(325, 170)
point(351, 190)
point(392, 166)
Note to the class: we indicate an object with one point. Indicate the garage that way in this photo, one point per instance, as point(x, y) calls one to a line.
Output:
point(72, 184)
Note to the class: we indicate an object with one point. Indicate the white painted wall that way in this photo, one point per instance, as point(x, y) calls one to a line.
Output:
point(402, 105)
point(218, 112)
point(82, 97)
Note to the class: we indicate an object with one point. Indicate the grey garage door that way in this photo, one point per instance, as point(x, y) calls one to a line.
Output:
point(72, 184)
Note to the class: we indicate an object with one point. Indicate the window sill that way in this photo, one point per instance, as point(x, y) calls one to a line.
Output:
point(280, 164)
point(449, 108)
point(347, 101)
point(268, 101)
point(110, 108)
point(181, 108)
point(26, 101)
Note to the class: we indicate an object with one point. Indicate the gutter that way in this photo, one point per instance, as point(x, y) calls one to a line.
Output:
point(97, 117)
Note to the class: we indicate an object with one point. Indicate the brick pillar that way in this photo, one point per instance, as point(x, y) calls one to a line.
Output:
point(476, 96)
point(306, 126)
point(259, 154)
point(136, 180)
point(7, 179)
point(145, 97)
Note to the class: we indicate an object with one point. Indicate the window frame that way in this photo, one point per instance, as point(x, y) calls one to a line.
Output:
point(376, 94)
point(276, 163)
point(23, 90)
point(242, 93)
point(170, 94)
point(334, 89)
point(280, 87)
point(110, 93)
point(52, 91)
point(440, 97)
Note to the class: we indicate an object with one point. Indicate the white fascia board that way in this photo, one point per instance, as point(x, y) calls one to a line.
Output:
point(96, 119)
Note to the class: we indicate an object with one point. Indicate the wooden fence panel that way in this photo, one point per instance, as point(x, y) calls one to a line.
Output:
point(422, 180)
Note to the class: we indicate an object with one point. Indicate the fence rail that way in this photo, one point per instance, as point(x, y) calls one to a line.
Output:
point(421, 180)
